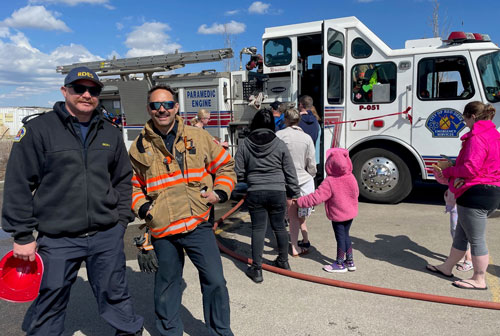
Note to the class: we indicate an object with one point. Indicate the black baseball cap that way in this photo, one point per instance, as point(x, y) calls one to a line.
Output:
point(82, 73)
point(275, 105)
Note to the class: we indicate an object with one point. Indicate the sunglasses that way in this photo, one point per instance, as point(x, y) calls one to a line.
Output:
point(167, 105)
point(81, 89)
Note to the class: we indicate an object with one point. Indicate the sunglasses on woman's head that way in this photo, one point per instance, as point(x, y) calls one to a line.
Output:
point(94, 91)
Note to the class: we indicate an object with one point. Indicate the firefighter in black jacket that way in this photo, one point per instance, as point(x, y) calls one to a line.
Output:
point(69, 178)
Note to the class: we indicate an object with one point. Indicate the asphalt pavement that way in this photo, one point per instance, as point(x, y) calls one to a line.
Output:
point(392, 244)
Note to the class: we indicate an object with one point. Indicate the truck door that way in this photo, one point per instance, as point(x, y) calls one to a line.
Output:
point(333, 88)
point(444, 84)
point(378, 92)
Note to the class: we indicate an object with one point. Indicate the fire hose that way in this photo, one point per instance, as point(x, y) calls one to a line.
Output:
point(354, 286)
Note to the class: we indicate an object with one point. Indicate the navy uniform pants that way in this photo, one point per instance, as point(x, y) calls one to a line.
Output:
point(201, 248)
point(105, 262)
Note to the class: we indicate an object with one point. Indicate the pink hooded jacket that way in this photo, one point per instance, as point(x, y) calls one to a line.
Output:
point(339, 190)
point(479, 159)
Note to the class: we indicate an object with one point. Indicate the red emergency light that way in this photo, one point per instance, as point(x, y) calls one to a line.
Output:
point(478, 37)
point(458, 37)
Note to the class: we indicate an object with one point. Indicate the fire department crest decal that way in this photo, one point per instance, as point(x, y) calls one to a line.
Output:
point(20, 134)
point(445, 123)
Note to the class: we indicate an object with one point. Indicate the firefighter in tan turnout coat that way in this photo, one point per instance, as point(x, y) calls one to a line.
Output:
point(173, 190)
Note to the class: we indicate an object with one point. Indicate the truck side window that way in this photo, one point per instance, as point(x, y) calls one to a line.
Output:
point(360, 49)
point(335, 92)
point(489, 68)
point(374, 83)
point(444, 78)
point(278, 52)
point(335, 43)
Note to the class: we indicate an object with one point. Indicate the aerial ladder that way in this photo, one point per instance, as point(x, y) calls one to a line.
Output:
point(130, 89)
point(149, 64)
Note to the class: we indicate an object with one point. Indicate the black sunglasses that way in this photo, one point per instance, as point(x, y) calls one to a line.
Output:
point(167, 105)
point(94, 91)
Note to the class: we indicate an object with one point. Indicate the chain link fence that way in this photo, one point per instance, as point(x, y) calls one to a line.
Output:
point(5, 147)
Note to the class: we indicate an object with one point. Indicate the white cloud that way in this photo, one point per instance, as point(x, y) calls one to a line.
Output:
point(119, 25)
point(4, 32)
point(150, 39)
point(232, 12)
point(23, 91)
point(258, 7)
point(232, 27)
point(105, 3)
point(31, 71)
point(36, 17)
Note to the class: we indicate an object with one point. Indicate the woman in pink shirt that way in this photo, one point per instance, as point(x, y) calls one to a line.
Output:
point(475, 182)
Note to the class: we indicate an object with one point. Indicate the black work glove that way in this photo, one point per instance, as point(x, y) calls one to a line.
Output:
point(146, 257)
point(148, 263)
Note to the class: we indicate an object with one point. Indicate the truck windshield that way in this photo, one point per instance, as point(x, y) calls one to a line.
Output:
point(489, 68)
point(278, 52)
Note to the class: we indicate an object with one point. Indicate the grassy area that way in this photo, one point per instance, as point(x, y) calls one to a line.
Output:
point(5, 147)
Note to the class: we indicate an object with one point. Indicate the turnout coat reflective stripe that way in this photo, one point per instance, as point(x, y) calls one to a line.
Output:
point(174, 189)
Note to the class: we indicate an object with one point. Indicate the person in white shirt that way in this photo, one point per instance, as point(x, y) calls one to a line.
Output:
point(301, 148)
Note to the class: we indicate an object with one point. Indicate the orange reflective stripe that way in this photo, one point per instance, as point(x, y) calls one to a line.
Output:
point(196, 174)
point(168, 180)
point(137, 181)
point(164, 181)
point(177, 231)
point(163, 176)
point(180, 225)
point(136, 197)
point(225, 181)
point(227, 185)
point(221, 162)
point(216, 161)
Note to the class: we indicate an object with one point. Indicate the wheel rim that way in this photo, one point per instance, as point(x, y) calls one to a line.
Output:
point(379, 175)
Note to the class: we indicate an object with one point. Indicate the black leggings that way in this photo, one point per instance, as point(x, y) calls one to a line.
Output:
point(265, 205)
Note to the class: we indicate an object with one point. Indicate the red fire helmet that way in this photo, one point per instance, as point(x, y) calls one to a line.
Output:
point(20, 279)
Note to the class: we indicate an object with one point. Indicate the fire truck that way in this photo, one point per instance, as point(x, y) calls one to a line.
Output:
point(396, 110)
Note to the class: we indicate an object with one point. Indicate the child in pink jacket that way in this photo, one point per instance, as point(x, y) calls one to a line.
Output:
point(340, 193)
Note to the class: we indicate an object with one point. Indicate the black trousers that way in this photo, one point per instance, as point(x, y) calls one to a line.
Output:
point(105, 261)
point(201, 248)
point(264, 206)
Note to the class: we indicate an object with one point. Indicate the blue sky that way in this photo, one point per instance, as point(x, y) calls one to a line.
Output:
point(38, 35)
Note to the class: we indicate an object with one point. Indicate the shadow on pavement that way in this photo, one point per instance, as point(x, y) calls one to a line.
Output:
point(236, 226)
point(428, 192)
point(397, 250)
point(83, 316)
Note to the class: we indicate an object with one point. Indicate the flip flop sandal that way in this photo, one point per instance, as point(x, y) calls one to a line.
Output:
point(465, 266)
point(303, 251)
point(305, 245)
point(434, 269)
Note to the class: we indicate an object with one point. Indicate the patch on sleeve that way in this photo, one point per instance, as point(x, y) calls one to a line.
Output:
point(20, 134)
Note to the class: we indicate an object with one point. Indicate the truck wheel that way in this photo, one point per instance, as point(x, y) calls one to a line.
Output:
point(382, 176)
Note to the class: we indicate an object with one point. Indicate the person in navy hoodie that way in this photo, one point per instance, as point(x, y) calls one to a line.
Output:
point(308, 121)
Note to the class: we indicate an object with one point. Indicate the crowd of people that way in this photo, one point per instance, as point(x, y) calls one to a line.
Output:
point(173, 176)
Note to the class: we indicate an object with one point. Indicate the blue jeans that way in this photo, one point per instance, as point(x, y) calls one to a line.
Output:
point(264, 205)
point(201, 248)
